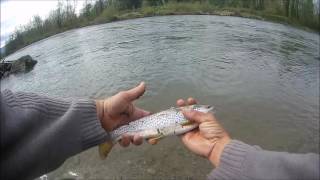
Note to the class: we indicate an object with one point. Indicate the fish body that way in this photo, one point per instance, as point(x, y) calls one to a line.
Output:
point(155, 126)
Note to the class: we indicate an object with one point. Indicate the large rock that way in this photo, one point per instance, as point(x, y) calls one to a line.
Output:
point(22, 65)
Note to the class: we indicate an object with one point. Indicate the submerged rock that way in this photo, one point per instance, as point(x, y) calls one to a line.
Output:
point(21, 65)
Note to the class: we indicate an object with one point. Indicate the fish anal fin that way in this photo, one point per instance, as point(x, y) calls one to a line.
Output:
point(155, 140)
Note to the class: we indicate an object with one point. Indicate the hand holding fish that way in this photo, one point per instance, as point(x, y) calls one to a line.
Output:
point(209, 139)
point(118, 110)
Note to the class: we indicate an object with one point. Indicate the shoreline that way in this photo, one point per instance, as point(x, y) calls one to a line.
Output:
point(139, 14)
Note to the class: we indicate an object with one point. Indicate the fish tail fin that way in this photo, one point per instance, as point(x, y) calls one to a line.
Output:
point(105, 148)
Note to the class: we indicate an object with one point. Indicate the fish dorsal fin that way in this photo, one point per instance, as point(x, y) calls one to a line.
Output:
point(175, 109)
point(161, 114)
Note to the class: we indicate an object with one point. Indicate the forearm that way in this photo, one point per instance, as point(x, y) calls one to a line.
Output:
point(242, 161)
point(39, 133)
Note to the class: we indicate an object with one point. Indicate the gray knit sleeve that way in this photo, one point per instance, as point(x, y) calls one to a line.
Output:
point(243, 161)
point(39, 133)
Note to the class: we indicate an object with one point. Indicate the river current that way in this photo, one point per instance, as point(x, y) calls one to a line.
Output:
point(262, 78)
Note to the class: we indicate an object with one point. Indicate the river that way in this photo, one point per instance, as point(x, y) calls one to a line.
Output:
point(262, 77)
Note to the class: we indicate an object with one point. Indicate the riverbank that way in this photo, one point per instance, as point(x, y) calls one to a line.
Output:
point(111, 14)
point(196, 9)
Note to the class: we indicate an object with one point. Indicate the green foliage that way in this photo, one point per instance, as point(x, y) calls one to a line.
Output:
point(109, 14)
point(296, 12)
point(155, 2)
point(127, 4)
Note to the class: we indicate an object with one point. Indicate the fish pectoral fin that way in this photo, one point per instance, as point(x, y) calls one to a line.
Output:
point(186, 123)
point(104, 149)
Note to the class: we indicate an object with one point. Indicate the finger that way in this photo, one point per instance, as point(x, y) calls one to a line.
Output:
point(136, 92)
point(195, 116)
point(125, 141)
point(137, 140)
point(191, 101)
point(180, 102)
point(139, 113)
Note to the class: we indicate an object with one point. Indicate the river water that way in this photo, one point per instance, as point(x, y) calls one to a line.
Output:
point(262, 77)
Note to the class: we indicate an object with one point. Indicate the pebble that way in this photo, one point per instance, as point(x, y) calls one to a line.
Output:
point(151, 171)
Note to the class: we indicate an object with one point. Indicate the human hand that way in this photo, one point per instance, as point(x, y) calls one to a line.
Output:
point(209, 139)
point(118, 110)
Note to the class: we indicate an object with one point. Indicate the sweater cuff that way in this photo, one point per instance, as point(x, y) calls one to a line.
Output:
point(231, 161)
point(91, 129)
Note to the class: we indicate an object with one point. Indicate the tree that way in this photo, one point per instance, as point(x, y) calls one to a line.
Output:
point(37, 22)
point(59, 15)
point(87, 8)
point(129, 4)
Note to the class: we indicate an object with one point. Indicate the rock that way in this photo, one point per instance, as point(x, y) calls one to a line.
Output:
point(21, 65)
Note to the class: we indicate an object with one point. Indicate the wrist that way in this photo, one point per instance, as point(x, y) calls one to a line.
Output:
point(217, 150)
point(100, 111)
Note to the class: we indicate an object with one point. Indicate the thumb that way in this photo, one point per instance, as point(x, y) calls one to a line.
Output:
point(195, 116)
point(136, 92)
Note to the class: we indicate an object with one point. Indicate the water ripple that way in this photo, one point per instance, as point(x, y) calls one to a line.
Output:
point(263, 77)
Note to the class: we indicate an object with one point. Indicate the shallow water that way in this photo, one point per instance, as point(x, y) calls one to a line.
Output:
point(262, 77)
